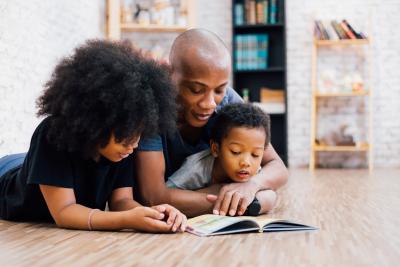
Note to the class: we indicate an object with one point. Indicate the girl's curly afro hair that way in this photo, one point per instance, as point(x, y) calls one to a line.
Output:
point(106, 88)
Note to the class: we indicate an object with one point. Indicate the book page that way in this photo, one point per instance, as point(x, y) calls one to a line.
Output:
point(209, 223)
point(261, 220)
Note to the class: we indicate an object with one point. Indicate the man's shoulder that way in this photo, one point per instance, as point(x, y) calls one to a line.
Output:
point(231, 96)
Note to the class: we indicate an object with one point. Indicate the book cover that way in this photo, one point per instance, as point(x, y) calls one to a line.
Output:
point(250, 8)
point(273, 11)
point(329, 29)
point(239, 14)
point(260, 12)
point(339, 30)
point(357, 35)
point(210, 225)
point(323, 30)
point(347, 30)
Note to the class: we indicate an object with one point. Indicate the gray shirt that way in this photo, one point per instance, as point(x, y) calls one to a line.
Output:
point(195, 172)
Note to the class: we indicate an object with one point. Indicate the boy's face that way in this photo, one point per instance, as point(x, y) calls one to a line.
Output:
point(240, 152)
point(115, 152)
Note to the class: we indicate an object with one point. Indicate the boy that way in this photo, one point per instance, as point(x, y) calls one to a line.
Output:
point(239, 136)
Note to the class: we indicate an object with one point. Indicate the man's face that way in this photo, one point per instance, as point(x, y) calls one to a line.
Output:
point(240, 152)
point(201, 87)
point(117, 151)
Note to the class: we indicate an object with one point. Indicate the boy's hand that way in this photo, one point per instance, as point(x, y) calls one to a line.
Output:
point(173, 217)
point(234, 198)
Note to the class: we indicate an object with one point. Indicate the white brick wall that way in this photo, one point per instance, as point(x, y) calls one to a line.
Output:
point(386, 58)
point(34, 35)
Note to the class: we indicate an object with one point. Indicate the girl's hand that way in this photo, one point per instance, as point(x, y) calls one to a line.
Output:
point(173, 217)
point(146, 219)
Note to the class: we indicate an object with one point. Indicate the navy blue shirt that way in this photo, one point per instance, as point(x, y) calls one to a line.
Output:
point(175, 149)
point(92, 182)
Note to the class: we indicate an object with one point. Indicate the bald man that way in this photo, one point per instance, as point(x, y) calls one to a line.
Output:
point(201, 65)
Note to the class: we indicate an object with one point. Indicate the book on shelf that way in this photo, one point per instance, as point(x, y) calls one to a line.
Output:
point(262, 12)
point(238, 14)
point(210, 225)
point(250, 7)
point(346, 29)
point(338, 29)
point(357, 35)
point(273, 13)
point(251, 51)
point(271, 107)
point(268, 95)
point(335, 30)
point(251, 12)
point(330, 30)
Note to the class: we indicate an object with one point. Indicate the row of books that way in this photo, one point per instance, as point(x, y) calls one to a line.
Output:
point(334, 30)
point(251, 51)
point(256, 12)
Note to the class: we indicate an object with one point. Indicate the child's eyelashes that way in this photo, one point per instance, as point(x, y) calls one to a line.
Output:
point(235, 152)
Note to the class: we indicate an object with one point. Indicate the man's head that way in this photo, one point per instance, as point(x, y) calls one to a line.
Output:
point(239, 136)
point(201, 66)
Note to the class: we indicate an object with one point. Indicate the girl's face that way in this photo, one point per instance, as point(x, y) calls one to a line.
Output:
point(115, 152)
point(240, 152)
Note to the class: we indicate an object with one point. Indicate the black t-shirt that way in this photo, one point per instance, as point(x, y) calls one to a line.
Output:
point(92, 182)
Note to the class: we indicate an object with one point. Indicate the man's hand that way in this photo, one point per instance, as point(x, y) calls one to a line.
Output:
point(234, 198)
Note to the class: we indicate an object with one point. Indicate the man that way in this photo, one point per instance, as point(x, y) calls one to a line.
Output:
point(201, 65)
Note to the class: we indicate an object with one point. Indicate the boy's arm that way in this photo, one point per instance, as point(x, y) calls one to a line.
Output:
point(150, 168)
point(235, 197)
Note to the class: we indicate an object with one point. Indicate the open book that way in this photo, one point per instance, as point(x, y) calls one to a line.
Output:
point(209, 224)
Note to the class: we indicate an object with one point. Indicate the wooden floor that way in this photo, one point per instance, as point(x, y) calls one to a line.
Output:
point(358, 215)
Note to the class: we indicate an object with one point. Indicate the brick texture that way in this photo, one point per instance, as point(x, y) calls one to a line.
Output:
point(34, 35)
point(382, 19)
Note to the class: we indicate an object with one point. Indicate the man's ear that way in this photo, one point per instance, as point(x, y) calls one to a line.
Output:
point(214, 148)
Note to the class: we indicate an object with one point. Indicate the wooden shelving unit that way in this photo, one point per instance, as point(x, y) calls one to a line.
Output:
point(316, 95)
point(115, 27)
point(345, 42)
point(151, 28)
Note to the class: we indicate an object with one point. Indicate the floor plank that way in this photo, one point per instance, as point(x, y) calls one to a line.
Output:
point(357, 213)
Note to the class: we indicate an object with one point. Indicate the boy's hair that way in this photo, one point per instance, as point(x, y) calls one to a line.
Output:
point(239, 115)
point(106, 88)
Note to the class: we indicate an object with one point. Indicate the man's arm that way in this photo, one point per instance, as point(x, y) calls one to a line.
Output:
point(235, 197)
point(150, 169)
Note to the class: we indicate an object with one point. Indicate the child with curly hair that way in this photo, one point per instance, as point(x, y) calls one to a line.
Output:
point(238, 138)
point(98, 103)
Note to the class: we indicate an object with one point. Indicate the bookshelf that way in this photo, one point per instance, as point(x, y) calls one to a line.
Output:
point(116, 24)
point(259, 35)
point(122, 18)
point(358, 45)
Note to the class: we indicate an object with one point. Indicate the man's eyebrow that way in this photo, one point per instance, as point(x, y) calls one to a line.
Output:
point(195, 82)
point(203, 84)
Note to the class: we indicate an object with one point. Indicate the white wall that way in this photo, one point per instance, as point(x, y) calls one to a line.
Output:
point(34, 35)
point(385, 21)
